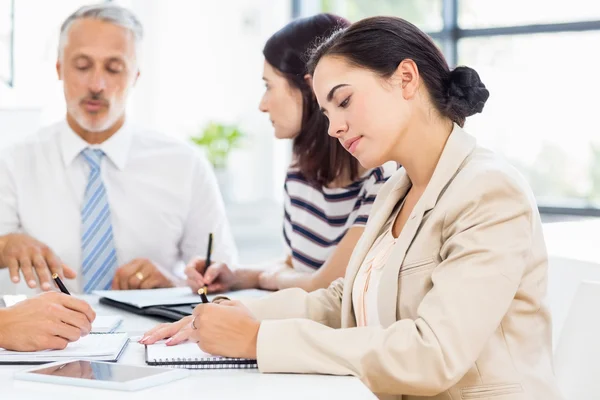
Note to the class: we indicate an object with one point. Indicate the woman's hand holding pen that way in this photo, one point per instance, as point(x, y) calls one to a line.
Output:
point(226, 329)
point(218, 278)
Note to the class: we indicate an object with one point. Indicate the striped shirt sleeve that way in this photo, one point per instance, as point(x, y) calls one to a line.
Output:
point(287, 221)
point(368, 192)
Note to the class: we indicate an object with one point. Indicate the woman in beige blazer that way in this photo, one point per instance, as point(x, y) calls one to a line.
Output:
point(443, 295)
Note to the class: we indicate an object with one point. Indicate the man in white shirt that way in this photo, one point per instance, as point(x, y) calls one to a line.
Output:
point(96, 199)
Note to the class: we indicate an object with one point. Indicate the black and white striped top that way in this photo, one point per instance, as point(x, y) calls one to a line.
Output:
point(317, 218)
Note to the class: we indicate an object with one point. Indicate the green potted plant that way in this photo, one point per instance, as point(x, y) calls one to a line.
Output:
point(218, 140)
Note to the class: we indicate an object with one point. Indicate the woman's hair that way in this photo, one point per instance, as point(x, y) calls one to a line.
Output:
point(380, 44)
point(320, 158)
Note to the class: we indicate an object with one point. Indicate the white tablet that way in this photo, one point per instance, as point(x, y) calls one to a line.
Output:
point(101, 375)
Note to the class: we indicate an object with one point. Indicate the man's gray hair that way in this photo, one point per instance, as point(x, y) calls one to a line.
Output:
point(106, 12)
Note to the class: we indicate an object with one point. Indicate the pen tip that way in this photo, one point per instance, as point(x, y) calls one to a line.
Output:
point(201, 291)
point(54, 275)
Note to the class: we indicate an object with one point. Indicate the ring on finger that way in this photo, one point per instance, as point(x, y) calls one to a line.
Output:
point(220, 299)
point(139, 275)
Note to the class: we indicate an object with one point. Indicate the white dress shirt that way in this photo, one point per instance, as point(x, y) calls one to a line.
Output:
point(163, 196)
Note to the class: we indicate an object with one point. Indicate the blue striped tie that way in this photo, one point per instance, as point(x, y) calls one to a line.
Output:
point(98, 249)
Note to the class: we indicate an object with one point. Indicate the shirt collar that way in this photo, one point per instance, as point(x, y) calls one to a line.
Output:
point(116, 147)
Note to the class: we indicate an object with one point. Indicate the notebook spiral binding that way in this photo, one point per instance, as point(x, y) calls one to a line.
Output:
point(206, 363)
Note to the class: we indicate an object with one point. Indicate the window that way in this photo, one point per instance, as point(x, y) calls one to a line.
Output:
point(542, 109)
point(30, 94)
point(541, 66)
point(486, 13)
point(426, 14)
point(32, 36)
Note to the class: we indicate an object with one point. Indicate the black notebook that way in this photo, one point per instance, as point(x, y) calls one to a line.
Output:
point(170, 312)
point(171, 303)
point(188, 355)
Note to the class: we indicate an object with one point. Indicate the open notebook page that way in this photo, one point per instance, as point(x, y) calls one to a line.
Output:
point(106, 323)
point(90, 346)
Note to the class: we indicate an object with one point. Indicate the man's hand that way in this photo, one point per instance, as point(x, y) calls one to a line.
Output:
point(226, 329)
point(23, 253)
point(218, 278)
point(140, 274)
point(48, 321)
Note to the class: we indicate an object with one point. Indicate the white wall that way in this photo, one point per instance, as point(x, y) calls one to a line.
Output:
point(16, 123)
point(203, 61)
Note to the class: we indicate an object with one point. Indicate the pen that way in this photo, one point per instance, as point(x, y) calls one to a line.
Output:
point(204, 290)
point(208, 252)
point(202, 293)
point(59, 283)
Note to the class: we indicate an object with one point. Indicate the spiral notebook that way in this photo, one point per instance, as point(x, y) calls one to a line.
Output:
point(188, 355)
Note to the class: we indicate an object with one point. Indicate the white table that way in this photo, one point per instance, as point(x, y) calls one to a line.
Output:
point(202, 384)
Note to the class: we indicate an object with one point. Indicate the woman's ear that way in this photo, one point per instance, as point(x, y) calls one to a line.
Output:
point(407, 75)
point(308, 80)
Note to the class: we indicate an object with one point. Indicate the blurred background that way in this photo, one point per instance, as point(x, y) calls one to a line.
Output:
point(202, 69)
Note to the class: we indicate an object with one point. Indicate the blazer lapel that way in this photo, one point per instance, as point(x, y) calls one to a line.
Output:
point(376, 222)
point(458, 147)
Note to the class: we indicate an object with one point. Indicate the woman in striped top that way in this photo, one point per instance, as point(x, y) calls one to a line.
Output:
point(318, 218)
point(328, 196)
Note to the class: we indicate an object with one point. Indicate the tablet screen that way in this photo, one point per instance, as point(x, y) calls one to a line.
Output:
point(99, 371)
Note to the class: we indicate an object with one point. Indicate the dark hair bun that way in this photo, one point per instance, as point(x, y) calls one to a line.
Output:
point(466, 93)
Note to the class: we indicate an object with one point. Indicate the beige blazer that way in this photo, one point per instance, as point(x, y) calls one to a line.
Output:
point(460, 299)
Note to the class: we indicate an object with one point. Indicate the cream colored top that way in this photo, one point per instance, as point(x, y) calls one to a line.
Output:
point(366, 285)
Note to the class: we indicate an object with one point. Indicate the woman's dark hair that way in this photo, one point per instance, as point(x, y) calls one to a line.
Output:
point(320, 158)
point(382, 43)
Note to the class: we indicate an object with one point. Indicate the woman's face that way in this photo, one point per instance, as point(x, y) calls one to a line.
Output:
point(283, 103)
point(367, 114)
